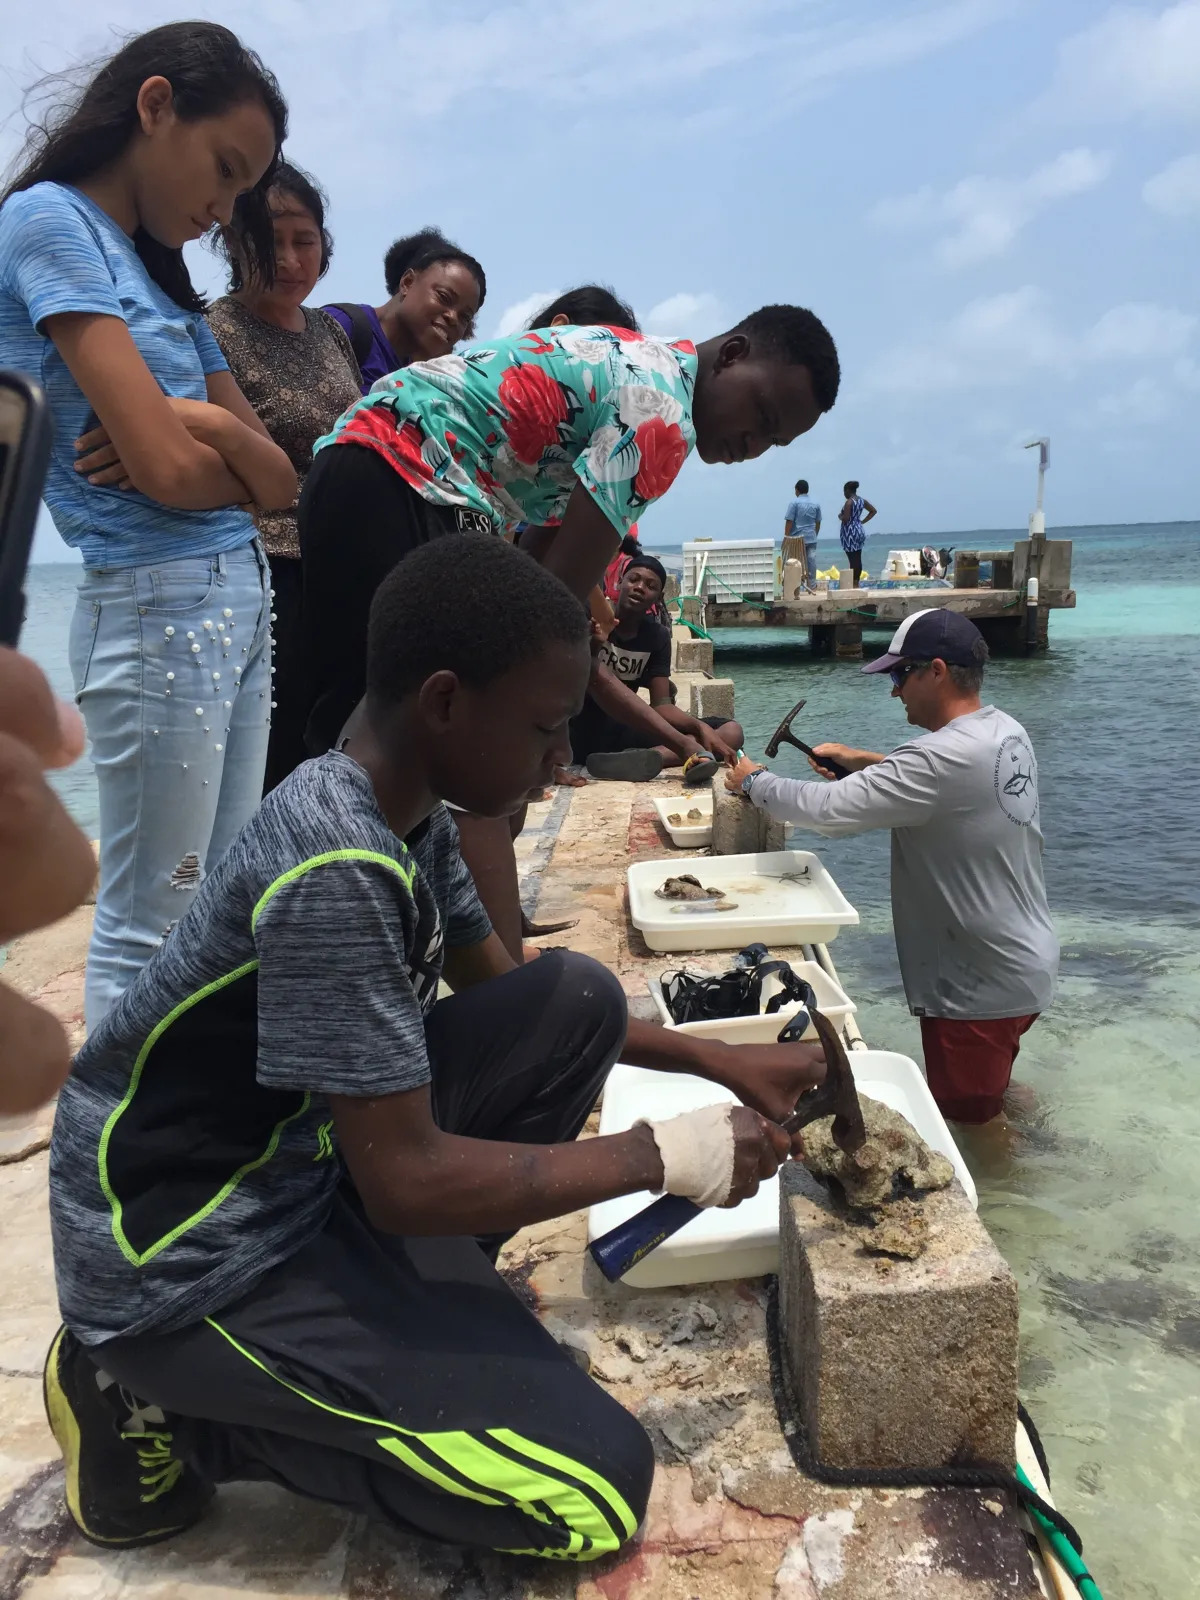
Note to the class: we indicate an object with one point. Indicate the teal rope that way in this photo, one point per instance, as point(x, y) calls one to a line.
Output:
point(761, 604)
point(678, 600)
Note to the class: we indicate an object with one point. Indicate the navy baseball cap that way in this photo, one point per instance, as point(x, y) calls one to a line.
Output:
point(934, 634)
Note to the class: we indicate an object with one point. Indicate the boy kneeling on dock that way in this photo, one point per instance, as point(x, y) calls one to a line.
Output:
point(282, 1170)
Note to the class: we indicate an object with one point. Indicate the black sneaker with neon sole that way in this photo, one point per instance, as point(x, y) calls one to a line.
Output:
point(125, 1486)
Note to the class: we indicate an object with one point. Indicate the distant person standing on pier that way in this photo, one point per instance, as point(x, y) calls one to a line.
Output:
point(977, 947)
point(852, 516)
point(804, 522)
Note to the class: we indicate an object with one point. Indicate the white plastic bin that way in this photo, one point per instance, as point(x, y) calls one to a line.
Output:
point(688, 835)
point(781, 897)
point(903, 564)
point(744, 1242)
point(723, 569)
point(832, 999)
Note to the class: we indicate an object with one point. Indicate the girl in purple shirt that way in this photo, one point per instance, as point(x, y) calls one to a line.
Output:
point(434, 292)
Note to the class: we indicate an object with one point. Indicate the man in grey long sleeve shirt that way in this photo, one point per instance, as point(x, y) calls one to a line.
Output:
point(977, 947)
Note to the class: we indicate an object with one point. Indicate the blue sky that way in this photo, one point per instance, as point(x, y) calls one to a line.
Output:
point(994, 204)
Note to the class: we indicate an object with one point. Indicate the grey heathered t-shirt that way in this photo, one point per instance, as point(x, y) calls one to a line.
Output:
point(193, 1145)
point(973, 929)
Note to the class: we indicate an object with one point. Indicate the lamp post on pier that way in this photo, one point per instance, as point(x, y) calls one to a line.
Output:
point(1037, 544)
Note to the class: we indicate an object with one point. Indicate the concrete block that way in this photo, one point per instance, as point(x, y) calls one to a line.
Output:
point(847, 641)
point(771, 834)
point(694, 655)
point(736, 827)
point(740, 828)
point(712, 697)
point(897, 1363)
point(1055, 565)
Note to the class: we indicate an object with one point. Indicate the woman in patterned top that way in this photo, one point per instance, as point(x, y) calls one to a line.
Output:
point(296, 368)
point(852, 516)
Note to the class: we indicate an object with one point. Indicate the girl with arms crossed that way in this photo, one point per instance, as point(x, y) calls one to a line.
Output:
point(156, 455)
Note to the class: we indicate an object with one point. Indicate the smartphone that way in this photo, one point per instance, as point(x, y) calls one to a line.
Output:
point(24, 457)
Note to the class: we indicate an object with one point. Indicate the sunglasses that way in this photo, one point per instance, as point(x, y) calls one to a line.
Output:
point(900, 675)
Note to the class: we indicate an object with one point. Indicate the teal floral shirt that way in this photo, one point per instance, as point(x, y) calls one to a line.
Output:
point(509, 428)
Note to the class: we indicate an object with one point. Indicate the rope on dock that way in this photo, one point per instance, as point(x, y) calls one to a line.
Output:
point(677, 600)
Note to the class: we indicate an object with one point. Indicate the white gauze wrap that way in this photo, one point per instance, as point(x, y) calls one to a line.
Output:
point(697, 1153)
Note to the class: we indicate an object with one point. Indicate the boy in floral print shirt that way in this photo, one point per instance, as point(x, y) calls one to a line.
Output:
point(576, 429)
point(508, 429)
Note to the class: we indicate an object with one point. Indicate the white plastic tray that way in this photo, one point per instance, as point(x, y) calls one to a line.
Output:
point(744, 1242)
point(692, 836)
point(831, 998)
point(805, 907)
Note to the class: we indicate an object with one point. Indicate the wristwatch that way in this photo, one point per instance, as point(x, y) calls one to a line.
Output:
point(749, 779)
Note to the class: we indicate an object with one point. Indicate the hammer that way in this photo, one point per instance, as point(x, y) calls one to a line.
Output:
point(622, 1247)
point(783, 735)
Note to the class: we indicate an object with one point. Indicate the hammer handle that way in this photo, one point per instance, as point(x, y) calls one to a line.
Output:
point(830, 765)
point(622, 1247)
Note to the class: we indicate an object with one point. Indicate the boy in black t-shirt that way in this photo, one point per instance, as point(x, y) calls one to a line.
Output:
point(638, 652)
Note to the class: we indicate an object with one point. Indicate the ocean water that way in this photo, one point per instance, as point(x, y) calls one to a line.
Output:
point(1095, 1197)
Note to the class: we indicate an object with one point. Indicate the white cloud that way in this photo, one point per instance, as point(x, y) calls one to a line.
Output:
point(1134, 62)
point(1144, 401)
point(1138, 332)
point(1175, 191)
point(1016, 338)
point(470, 63)
point(984, 215)
point(515, 317)
point(855, 51)
point(690, 316)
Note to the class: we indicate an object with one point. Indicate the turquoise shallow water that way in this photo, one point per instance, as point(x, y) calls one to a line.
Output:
point(1096, 1201)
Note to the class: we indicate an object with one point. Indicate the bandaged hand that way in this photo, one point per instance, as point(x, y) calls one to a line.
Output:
point(718, 1155)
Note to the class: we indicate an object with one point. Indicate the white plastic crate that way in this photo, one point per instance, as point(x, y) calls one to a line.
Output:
point(742, 566)
point(781, 897)
point(744, 1242)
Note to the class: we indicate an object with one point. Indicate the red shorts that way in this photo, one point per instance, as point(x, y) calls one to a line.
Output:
point(968, 1064)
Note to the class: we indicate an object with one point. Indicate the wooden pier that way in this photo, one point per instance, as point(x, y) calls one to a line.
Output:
point(836, 619)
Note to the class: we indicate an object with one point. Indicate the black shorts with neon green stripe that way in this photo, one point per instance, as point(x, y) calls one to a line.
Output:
point(404, 1379)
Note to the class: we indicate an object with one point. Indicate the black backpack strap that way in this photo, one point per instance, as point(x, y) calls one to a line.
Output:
point(361, 333)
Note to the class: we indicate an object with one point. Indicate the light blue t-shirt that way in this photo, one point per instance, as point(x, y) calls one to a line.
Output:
point(58, 253)
point(804, 513)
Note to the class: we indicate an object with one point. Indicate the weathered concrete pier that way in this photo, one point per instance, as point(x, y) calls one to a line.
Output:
point(730, 1518)
point(836, 618)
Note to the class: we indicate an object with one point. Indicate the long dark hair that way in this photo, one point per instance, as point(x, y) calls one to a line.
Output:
point(300, 186)
point(590, 304)
point(209, 70)
point(420, 250)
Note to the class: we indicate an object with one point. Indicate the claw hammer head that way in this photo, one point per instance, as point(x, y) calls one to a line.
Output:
point(837, 1097)
point(783, 733)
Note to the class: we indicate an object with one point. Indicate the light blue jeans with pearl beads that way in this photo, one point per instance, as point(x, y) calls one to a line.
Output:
point(172, 669)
